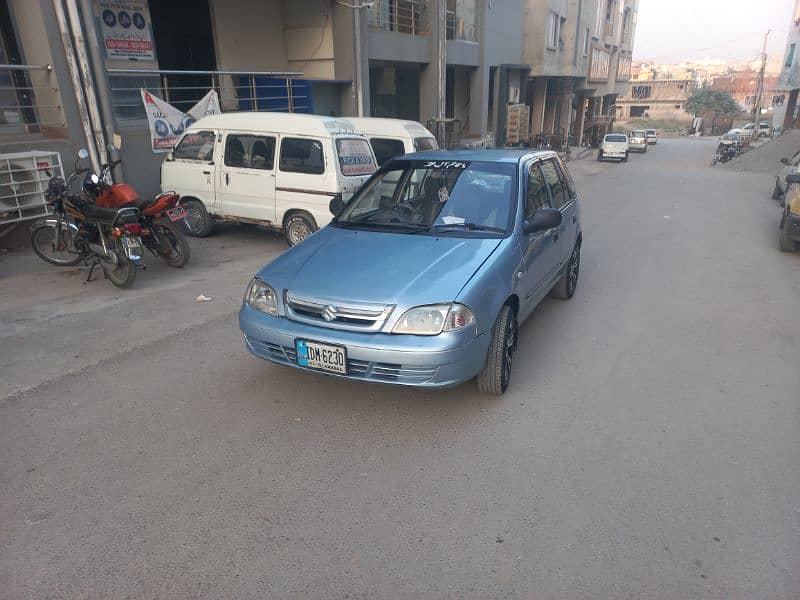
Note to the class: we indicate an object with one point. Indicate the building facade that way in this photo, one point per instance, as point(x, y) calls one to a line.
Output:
point(656, 98)
point(786, 111)
point(72, 70)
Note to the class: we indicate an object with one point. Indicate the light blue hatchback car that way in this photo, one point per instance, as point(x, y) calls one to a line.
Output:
point(423, 276)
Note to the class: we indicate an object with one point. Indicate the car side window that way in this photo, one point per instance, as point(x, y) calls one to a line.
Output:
point(385, 148)
point(302, 155)
point(558, 189)
point(196, 145)
point(537, 196)
point(568, 180)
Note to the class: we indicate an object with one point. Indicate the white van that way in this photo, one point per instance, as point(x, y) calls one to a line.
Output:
point(274, 169)
point(393, 137)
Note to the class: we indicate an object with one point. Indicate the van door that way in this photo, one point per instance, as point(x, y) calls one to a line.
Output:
point(190, 169)
point(540, 250)
point(246, 184)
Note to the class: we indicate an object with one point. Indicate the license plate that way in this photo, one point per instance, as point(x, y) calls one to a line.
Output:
point(176, 214)
point(321, 356)
point(133, 249)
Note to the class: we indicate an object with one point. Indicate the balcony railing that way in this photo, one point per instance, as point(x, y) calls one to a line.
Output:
point(30, 104)
point(237, 90)
point(401, 16)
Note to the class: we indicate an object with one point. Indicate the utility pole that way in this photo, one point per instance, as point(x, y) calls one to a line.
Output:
point(760, 87)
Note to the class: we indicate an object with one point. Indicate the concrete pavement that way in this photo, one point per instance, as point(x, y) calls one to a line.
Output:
point(647, 448)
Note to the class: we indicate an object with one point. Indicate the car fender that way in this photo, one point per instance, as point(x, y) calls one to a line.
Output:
point(493, 283)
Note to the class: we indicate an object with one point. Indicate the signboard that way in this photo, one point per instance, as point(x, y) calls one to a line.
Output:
point(126, 30)
point(167, 123)
point(355, 157)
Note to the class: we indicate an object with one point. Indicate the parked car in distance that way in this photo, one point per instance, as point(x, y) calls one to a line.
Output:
point(394, 137)
point(637, 140)
point(764, 129)
point(423, 277)
point(273, 169)
point(614, 145)
point(789, 239)
point(652, 136)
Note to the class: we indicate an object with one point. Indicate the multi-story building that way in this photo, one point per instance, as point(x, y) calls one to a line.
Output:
point(786, 111)
point(72, 71)
point(655, 98)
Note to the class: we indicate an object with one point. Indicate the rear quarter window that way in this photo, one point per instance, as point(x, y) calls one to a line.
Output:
point(302, 155)
point(355, 157)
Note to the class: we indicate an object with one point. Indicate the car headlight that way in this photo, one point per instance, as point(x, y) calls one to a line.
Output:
point(262, 297)
point(434, 319)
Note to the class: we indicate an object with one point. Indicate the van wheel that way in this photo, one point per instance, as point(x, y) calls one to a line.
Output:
point(564, 289)
point(298, 227)
point(198, 222)
point(496, 373)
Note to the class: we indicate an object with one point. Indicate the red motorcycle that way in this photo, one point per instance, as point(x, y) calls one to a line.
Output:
point(158, 218)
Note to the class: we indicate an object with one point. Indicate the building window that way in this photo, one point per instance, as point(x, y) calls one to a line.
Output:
point(790, 56)
point(586, 41)
point(677, 106)
point(462, 20)
point(640, 92)
point(624, 68)
point(552, 31)
point(600, 64)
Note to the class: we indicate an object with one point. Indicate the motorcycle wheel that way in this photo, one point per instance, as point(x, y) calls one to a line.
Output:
point(123, 273)
point(173, 247)
point(43, 243)
point(714, 160)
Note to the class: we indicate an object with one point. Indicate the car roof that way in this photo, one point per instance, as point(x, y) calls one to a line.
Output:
point(278, 122)
point(506, 155)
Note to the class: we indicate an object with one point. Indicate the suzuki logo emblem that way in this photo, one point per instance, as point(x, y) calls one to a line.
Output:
point(329, 313)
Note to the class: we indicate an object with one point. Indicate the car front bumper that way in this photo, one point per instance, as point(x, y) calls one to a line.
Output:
point(409, 360)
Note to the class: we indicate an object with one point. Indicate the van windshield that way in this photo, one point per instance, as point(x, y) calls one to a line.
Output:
point(355, 157)
point(459, 198)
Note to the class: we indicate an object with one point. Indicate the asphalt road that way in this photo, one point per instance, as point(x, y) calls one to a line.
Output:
point(647, 448)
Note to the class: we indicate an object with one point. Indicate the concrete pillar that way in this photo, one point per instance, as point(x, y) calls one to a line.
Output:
point(580, 101)
point(433, 76)
point(351, 60)
point(537, 108)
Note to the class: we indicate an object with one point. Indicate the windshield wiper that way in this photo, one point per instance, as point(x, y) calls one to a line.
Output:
point(466, 227)
point(384, 224)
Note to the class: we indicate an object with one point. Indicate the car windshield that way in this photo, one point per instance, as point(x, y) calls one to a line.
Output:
point(638, 134)
point(616, 138)
point(442, 197)
point(651, 131)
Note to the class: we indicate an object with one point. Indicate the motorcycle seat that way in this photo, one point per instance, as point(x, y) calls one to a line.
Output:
point(107, 215)
point(142, 203)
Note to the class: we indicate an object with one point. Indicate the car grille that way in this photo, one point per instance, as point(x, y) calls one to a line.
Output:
point(357, 369)
point(365, 317)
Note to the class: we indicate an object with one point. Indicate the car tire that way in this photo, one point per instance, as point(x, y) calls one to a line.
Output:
point(776, 192)
point(198, 223)
point(297, 227)
point(626, 158)
point(564, 289)
point(600, 156)
point(496, 373)
point(785, 243)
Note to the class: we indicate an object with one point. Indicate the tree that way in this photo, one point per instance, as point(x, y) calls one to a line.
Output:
point(715, 102)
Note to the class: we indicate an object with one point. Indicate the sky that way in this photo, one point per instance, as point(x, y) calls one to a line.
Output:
point(673, 30)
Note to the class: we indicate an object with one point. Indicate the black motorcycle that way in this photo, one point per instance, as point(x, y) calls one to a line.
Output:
point(726, 151)
point(79, 231)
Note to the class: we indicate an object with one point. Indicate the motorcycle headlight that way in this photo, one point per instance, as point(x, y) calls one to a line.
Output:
point(434, 319)
point(262, 297)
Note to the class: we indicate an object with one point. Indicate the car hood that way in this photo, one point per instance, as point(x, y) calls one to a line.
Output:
point(377, 267)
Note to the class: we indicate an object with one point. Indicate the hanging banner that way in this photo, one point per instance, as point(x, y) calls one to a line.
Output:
point(167, 123)
point(125, 30)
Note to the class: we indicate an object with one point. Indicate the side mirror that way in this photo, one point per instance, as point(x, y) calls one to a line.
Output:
point(785, 160)
point(336, 205)
point(111, 147)
point(542, 220)
point(83, 153)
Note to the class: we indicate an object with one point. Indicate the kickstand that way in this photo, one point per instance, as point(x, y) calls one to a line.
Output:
point(91, 270)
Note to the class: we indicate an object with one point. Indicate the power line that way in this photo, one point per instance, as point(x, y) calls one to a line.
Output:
point(686, 52)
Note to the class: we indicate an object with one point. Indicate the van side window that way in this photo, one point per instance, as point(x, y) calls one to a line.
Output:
point(421, 144)
point(537, 196)
point(236, 149)
point(558, 189)
point(262, 153)
point(250, 152)
point(196, 145)
point(299, 155)
point(385, 149)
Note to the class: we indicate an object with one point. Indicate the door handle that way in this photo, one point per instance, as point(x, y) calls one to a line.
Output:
point(206, 172)
point(227, 179)
point(574, 219)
